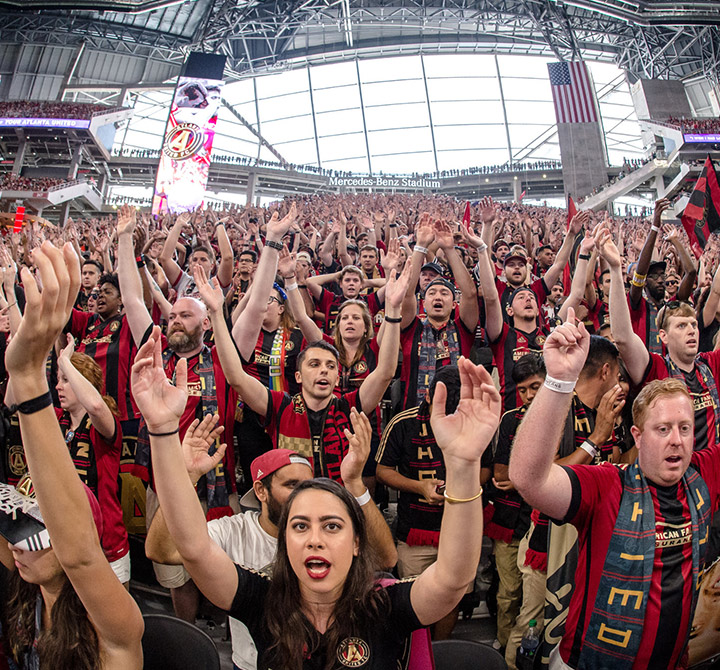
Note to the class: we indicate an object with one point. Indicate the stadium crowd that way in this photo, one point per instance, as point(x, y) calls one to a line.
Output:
point(50, 110)
point(695, 125)
point(13, 182)
point(269, 373)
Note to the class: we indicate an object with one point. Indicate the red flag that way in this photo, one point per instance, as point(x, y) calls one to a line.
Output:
point(567, 275)
point(19, 216)
point(466, 215)
point(702, 213)
point(522, 195)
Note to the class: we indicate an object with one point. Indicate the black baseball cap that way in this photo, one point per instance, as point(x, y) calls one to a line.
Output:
point(442, 282)
point(435, 267)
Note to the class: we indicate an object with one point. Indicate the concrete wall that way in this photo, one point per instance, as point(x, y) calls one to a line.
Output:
point(658, 99)
point(582, 150)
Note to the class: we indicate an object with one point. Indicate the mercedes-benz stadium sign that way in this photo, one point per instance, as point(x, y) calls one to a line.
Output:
point(385, 182)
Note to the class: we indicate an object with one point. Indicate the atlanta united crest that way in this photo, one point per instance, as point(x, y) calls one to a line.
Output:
point(353, 652)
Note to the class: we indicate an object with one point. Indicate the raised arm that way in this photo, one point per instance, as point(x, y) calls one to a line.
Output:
point(643, 264)
point(166, 258)
point(59, 491)
point(252, 392)
point(468, 298)
point(328, 246)
point(423, 238)
point(162, 405)
point(463, 437)
point(375, 384)
point(491, 300)
point(287, 266)
point(711, 305)
point(88, 396)
point(563, 255)
point(247, 329)
point(542, 483)
point(687, 283)
point(351, 470)
point(632, 349)
point(579, 280)
point(130, 284)
point(227, 258)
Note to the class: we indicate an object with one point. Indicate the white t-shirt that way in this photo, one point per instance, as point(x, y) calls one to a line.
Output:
point(242, 538)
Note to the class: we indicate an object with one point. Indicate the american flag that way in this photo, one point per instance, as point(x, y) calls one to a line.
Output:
point(573, 93)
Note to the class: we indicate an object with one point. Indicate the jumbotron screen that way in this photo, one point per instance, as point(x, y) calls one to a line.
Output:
point(701, 137)
point(185, 156)
point(30, 122)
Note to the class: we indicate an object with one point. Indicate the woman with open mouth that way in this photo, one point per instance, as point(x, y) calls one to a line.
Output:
point(323, 606)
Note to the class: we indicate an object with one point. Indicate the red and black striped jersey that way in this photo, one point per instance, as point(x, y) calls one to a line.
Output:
point(644, 325)
point(110, 344)
point(511, 346)
point(596, 494)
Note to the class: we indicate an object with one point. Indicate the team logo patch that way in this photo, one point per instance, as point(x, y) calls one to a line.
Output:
point(540, 340)
point(114, 326)
point(360, 367)
point(353, 652)
point(289, 345)
point(183, 141)
point(16, 460)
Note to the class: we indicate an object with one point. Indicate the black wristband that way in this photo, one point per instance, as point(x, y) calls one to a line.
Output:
point(140, 260)
point(393, 225)
point(33, 405)
point(584, 257)
point(274, 245)
point(302, 285)
point(390, 319)
point(172, 432)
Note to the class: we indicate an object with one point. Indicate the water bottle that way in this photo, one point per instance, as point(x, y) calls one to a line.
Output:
point(527, 650)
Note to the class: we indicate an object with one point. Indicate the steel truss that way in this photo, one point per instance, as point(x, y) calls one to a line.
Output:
point(649, 40)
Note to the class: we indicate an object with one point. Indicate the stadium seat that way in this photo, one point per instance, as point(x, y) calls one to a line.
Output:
point(466, 655)
point(173, 644)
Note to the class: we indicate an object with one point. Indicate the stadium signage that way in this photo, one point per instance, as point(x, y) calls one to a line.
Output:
point(384, 182)
point(704, 137)
point(29, 122)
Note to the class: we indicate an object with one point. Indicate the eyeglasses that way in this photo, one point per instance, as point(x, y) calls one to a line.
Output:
point(273, 298)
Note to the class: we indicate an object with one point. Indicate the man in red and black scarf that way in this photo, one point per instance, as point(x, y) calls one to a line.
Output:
point(642, 529)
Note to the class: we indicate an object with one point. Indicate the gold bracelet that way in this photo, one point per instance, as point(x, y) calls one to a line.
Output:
point(452, 500)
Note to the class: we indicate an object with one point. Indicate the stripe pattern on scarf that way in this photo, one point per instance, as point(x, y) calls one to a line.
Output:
point(431, 341)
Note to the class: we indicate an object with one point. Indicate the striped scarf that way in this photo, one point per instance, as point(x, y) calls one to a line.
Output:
point(613, 636)
point(431, 341)
point(708, 380)
point(276, 362)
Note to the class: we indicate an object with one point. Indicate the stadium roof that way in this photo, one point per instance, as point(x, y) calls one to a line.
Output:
point(649, 39)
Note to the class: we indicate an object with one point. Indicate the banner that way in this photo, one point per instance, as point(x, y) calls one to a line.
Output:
point(185, 155)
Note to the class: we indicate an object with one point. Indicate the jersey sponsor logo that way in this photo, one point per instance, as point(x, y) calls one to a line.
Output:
point(195, 388)
point(353, 652)
point(107, 339)
point(702, 401)
point(672, 535)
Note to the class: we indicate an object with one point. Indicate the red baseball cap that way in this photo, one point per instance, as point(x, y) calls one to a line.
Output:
point(267, 463)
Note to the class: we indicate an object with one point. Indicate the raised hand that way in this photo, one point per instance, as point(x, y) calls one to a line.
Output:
point(443, 235)
point(660, 206)
point(607, 248)
point(487, 210)
point(161, 403)
point(390, 260)
point(126, 220)
point(46, 313)
point(69, 349)
point(607, 411)
point(201, 446)
point(397, 286)
point(359, 439)
point(287, 263)
point(588, 242)
point(209, 290)
point(470, 238)
point(277, 228)
point(424, 233)
point(465, 434)
point(566, 349)
point(578, 221)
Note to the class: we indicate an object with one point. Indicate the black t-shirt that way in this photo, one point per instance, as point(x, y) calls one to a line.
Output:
point(315, 419)
point(381, 644)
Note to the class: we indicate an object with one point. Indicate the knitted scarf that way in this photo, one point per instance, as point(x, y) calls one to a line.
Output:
point(708, 380)
point(430, 340)
point(294, 433)
point(613, 636)
point(276, 362)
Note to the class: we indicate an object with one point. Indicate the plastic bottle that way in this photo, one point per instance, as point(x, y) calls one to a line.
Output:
point(527, 650)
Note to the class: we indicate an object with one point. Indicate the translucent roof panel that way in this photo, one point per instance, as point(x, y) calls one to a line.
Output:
point(401, 115)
